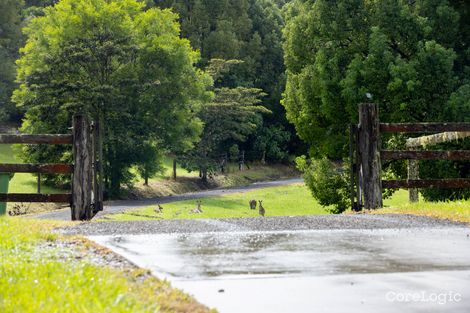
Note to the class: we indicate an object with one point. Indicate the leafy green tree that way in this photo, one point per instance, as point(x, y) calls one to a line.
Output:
point(270, 144)
point(408, 54)
point(10, 36)
point(233, 115)
point(117, 63)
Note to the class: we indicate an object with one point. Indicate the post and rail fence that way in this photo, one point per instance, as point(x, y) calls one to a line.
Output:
point(86, 196)
point(367, 156)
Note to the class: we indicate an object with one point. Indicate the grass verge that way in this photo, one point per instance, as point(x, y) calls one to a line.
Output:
point(288, 200)
point(451, 210)
point(34, 281)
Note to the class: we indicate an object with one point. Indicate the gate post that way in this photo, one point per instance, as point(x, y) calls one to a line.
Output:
point(369, 155)
point(82, 182)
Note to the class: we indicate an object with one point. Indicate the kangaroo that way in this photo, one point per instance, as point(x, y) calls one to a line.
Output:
point(253, 204)
point(262, 211)
point(197, 209)
point(158, 209)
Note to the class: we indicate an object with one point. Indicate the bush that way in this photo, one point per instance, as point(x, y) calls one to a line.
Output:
point(327, 182)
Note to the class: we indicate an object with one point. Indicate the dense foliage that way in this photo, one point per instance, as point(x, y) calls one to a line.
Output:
point(10, 39)
point(232, 116)
point(328, 183)
point(115, 62)
point(245, 30)
point(412, 56)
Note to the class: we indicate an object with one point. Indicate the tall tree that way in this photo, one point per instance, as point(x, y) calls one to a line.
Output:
point(10, 38)
point(115, 62)
point(233, 115)
point(335, 53)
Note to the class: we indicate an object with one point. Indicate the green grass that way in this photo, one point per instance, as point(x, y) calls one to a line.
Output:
point(34, 281)
point(278, 201)
point(452, 210)
point(21, 182)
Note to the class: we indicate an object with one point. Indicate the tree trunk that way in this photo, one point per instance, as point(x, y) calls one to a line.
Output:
point(204, 175)
point(174, 168)
point(146, 180)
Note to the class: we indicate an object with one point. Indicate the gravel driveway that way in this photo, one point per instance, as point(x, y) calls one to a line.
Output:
point(318, 222)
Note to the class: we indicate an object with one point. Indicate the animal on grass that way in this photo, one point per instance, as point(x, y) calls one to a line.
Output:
point(197, 209)
point(158, 209)
point(253, 204)
point(261, 211)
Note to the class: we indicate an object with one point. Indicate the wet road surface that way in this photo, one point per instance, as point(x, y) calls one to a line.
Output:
point(418, 265)
point(118, 206)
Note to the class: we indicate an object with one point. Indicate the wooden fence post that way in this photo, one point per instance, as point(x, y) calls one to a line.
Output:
point(97, 144)
point(413, 174)
point(82, 182)
point(369, 155)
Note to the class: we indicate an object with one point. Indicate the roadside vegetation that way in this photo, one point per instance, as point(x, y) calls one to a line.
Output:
point(458, 210)
point(35, 276)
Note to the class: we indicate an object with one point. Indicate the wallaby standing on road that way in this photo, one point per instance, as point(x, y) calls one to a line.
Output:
point(262, 211)
point(253, 204)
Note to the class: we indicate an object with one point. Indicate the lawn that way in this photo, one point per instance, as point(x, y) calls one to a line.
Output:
point(32, 280)
point(287, 201)
point(452, 210)
point(278, 201)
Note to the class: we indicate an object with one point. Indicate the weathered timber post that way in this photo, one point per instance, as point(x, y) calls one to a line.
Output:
point(413, 174)
point(97, 148)
point(352, 167)
point(82, 182)
point(369, 153)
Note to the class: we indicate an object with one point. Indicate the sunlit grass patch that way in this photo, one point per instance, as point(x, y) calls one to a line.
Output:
point(34, 281)
point(452, 210)
point(278, 201)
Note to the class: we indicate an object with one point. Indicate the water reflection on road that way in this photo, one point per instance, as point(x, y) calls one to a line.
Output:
point(308, 271)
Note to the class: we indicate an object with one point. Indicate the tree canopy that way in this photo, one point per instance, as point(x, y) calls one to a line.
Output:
point(116, 62)
point(410, 56)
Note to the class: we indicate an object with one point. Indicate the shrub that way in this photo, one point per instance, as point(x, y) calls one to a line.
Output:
point(327, 182)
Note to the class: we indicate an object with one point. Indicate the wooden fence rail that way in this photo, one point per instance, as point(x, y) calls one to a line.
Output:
point(60, 139)
point(425, 155)
point(35, 197)
point(37, 168)
point(423, 127)
point(366, 170)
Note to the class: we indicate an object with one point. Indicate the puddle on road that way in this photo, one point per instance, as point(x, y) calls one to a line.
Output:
point(303, 253)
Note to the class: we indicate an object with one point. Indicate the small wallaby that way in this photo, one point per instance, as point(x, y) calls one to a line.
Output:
point(253, 204)
point(158, 209)
point(197, 209)
point(262, 211)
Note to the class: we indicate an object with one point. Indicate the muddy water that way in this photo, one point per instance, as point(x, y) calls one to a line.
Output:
point(408, 270)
